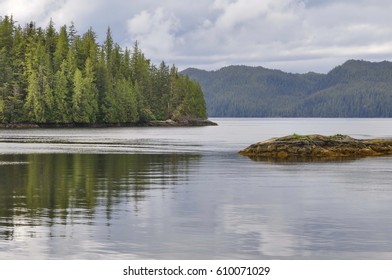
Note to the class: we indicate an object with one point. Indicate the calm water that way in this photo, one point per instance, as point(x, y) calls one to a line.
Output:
point(185, 193)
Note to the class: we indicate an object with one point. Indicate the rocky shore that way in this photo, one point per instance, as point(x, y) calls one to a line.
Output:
point(318, 147)
point(186, 122)
point(167, 123)
point(18, 125)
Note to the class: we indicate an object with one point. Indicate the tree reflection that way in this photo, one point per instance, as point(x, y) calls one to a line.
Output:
point(44, 189)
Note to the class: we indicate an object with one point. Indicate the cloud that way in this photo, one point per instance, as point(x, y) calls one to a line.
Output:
point(292, 35)
point(155, 31)
point(28, 10)
point(239, 12)
point(247, 31)
point(60, 11)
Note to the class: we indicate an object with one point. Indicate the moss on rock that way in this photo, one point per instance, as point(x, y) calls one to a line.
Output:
point(318, 147)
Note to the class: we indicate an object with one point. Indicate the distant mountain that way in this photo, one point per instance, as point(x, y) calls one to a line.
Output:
point(355, 89)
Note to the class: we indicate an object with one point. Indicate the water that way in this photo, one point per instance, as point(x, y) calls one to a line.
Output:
point(185, 193)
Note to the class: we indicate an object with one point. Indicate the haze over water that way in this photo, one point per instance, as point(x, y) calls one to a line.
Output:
point(185, 193)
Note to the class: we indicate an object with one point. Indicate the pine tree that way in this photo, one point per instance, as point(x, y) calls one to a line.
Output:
point(103, 86)
point(108, 48)
point(6, 66)
point(87, 49)
point(72, 32)
point(131, 105)
point(109, 103)
point(162, 91)
point(193, 105)
point(61, 77)
point(34, 106)
point(60, 54)
point(141, 73)
point(84, 101)
point(79, 114)
point(50, 40)
point(90, 92)
point(13, 105)
point(125, 104)
point(143, 110)
point(61, 108)
point(39, 98)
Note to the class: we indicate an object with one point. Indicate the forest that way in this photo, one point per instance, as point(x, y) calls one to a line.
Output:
point(354, 89)
point(59, 76)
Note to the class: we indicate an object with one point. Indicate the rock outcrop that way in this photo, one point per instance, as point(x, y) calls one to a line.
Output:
point(167, 123)
point(18, 125)
point(183, 122)
point(318, 147)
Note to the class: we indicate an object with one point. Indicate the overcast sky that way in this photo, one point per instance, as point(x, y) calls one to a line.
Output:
point(291, 35)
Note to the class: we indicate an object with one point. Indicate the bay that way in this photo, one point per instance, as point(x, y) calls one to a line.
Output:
point(186, 193)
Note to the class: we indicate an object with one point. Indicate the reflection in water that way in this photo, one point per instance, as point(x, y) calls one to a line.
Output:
point(47, 189)
point(184, 206)
point(294, 159)
point(186, 193)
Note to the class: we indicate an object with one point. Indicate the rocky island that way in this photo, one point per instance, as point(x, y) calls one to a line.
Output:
point(318, 147)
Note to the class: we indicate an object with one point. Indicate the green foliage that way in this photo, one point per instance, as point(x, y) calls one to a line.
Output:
point(1, 109)
point(193, 103)
point(354, 89)
point(61, 111)
point(50, 76)
point(79, 103)
point(34, 102)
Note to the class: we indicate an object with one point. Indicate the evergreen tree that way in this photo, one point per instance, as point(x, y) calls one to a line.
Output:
point(90, 92)
point(103, 86)
point(132, 113)
point(193, 105)
point(108, 48)
point(143, 111)
point(49, 76)
point(84, 101)
point(6, 66)
point(19, 61)
point(161, 84)
point(34, 105)
point(126, 106)
point(87, 48)
point(72, 32)
point(141, 73)
point(39, 98)
point(61, 108)
point(13, 105)
point(62, 46)
point(79, 114)
point(50, 40)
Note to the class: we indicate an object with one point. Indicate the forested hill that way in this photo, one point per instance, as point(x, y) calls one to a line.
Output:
point(354, 89)
point(50, 75)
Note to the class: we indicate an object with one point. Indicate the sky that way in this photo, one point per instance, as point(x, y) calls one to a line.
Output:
point(296, 36)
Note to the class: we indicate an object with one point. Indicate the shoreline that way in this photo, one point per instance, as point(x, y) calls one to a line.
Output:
point(167, 123)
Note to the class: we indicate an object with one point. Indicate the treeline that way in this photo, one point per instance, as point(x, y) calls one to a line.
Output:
point(354, 89)
point(58, 76)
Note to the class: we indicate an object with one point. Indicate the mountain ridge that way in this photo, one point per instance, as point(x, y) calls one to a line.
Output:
point(357, 88)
